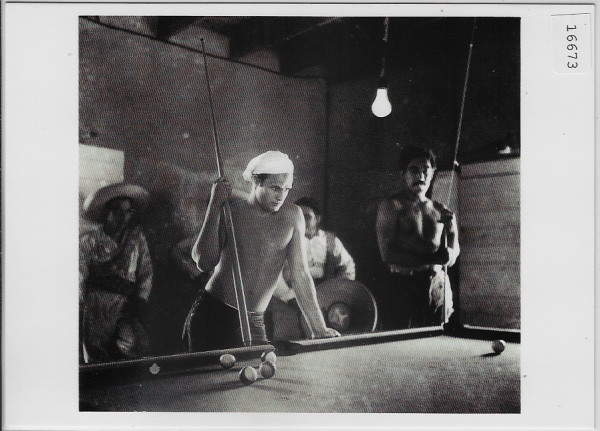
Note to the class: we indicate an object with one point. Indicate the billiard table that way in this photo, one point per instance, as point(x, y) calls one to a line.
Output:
point(423, 370)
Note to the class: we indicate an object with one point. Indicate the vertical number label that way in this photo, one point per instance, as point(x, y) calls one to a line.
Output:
point(571, 43)
point(572, 46)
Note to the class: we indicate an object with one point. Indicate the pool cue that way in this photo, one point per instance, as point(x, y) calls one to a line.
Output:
point(235, 270)
point(455, 162)
point(445, 270)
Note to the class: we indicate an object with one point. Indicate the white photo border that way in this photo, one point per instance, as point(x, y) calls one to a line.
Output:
point(40, 219)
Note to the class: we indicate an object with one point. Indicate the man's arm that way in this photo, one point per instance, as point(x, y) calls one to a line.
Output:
point(451, 233)
point(302, 282)
point(346, 267)
point(454, 247)
point(86, 244)
point(183, 259)
point(144, 272)
point(137, 305)
point(207, 248)
point(387, 235)
point(85, 249)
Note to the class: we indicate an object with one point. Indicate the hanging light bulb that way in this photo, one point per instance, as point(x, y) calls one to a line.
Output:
point(381, 106)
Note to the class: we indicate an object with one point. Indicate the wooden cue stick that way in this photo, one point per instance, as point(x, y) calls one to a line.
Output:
point(445, 243)
point(454, 162)
point(235, 270)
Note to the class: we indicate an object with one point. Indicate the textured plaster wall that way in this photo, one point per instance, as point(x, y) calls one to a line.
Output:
point(150, 100)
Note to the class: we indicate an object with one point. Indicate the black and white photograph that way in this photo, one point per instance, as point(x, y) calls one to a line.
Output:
point(268, 211)
point(324, 130)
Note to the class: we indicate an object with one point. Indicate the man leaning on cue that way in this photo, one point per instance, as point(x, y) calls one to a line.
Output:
point(268, 231)
point(417, 237)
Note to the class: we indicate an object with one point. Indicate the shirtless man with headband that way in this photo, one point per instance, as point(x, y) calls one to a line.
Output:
point(268, 231)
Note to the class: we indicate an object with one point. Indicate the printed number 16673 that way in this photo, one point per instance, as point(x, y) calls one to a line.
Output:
point(572, 46)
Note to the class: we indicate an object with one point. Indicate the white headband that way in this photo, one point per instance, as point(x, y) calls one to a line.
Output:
point(271, 162)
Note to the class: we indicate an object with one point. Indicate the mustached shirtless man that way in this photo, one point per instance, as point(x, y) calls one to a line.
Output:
point(417, 237)
point(268, 231)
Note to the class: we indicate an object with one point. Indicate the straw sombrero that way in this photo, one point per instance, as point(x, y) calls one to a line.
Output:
point(95, 202)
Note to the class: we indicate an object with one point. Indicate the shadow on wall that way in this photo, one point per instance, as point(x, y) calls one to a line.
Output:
point(178, 201)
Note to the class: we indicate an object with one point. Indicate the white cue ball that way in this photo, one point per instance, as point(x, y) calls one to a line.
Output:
point(498, 346)
point(267, 369)
point(248, 375)
point(268, 356)
point(227, 361)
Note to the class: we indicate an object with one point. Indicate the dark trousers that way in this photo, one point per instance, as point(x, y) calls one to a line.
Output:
point(406, 302)
point(213, 325)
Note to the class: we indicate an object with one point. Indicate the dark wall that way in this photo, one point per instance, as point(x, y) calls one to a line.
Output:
point(150, 100)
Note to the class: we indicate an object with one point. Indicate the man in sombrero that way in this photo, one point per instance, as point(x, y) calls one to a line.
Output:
point(115, 275)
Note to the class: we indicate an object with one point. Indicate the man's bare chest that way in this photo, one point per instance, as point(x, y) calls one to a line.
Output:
point(418, 221)
point(266, 234)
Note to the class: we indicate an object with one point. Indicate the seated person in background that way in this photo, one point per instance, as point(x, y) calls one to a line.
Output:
point(416, 238)
point(327, 257)
point(115, 276)
point(268, 231)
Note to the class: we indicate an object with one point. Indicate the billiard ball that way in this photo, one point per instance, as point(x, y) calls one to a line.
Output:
point(498, 346)
point(248, 375)
point(267, 369)
point(268, 356)
point(227, 361)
